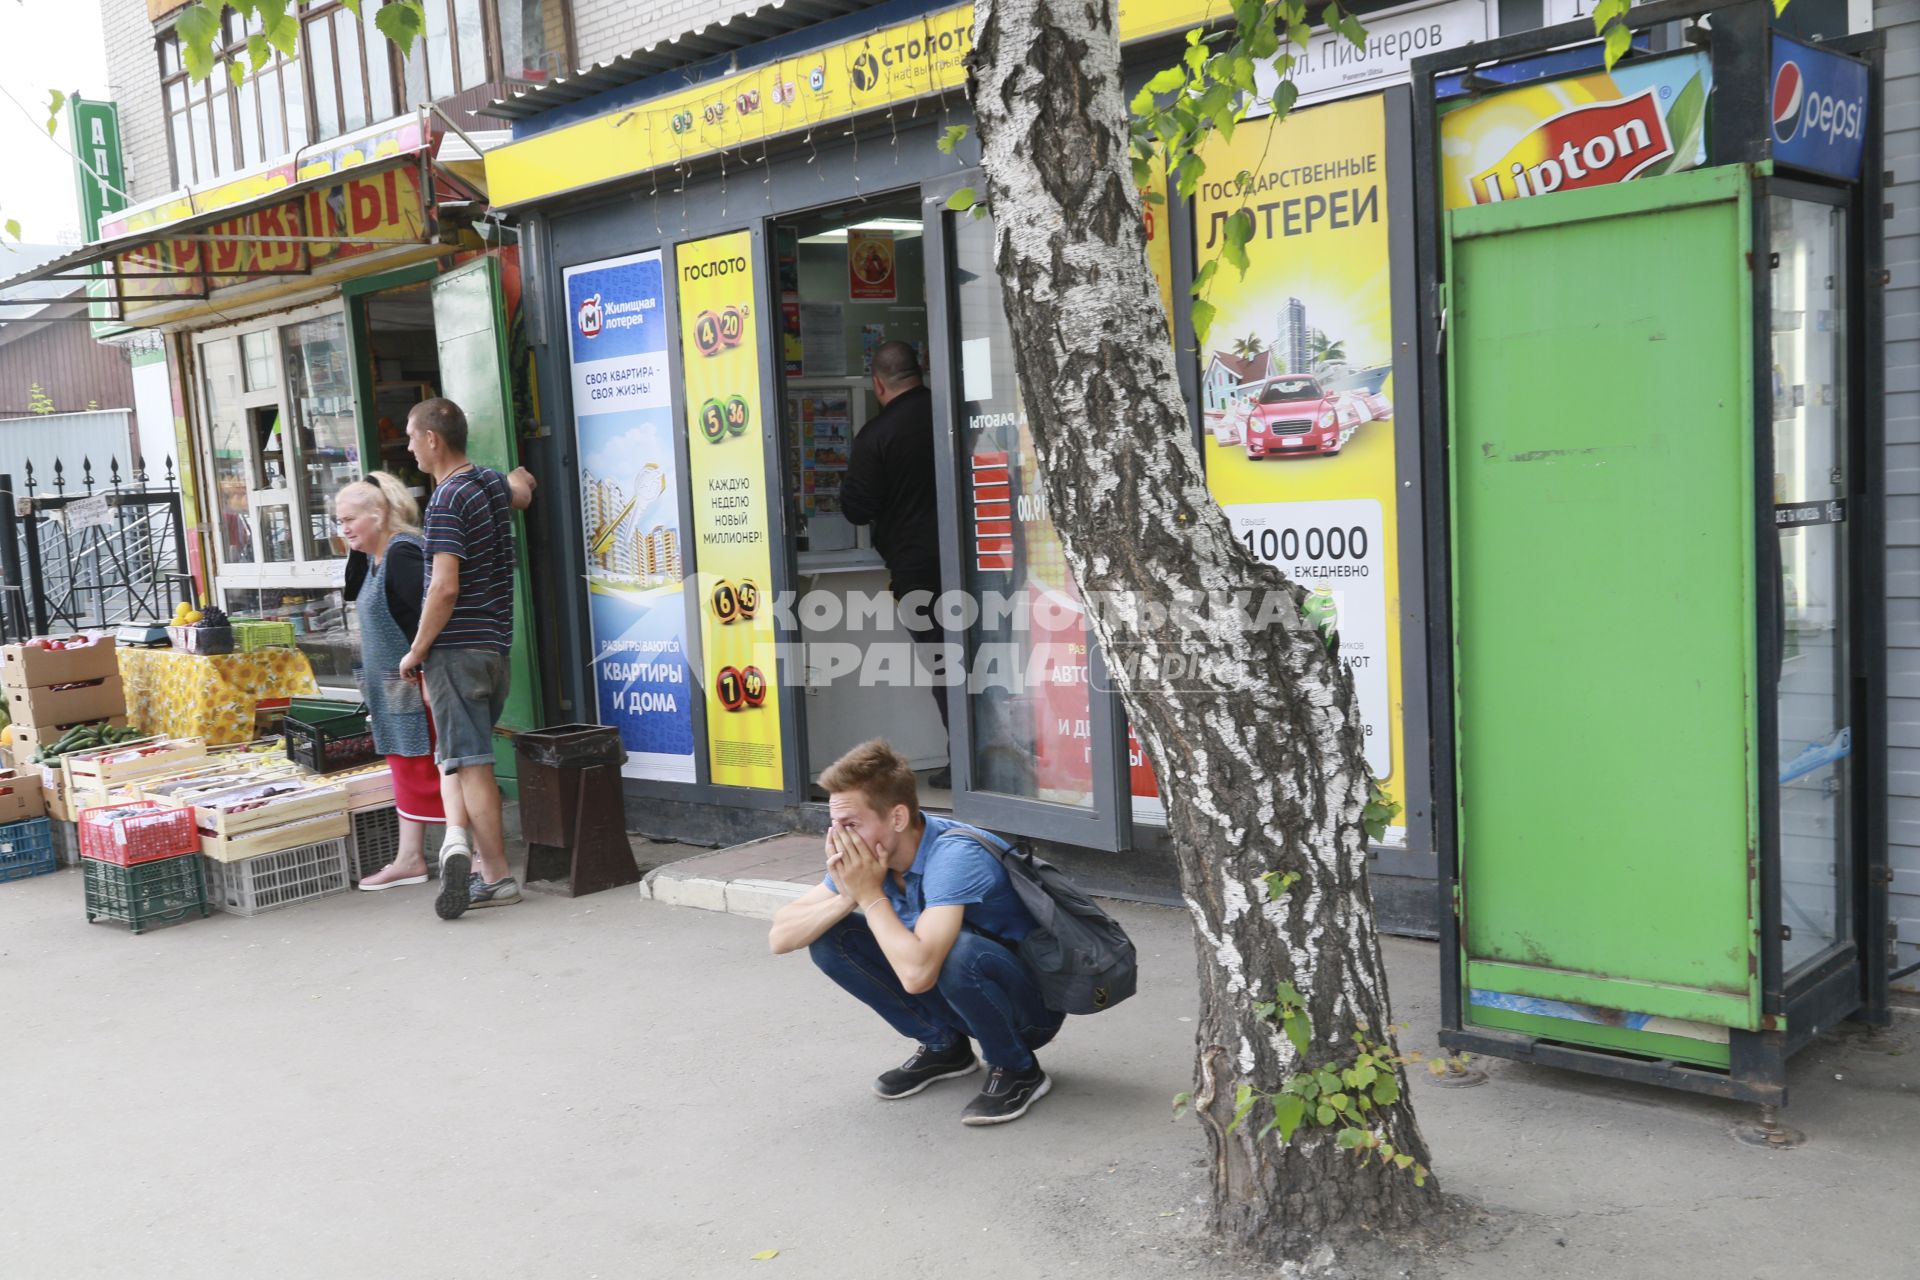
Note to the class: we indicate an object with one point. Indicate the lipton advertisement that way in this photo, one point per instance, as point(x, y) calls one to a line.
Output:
point(1297, 383)
point(719, 339)
point(1640, 120)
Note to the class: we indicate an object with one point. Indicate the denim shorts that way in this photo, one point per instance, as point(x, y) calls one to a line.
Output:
point(467, 689)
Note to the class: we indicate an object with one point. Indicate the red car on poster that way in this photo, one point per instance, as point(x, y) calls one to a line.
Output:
point(1292, 415)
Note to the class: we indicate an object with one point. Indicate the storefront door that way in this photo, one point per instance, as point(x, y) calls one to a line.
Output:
point(1038, 736)
point(470, 329)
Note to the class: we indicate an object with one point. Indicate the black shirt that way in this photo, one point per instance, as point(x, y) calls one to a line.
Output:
point(889, 484)
point(406, 582)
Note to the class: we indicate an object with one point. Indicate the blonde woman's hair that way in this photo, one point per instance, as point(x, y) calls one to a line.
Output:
point(383, 492)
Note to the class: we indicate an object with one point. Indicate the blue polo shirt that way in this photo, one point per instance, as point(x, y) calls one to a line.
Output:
point(951, 869)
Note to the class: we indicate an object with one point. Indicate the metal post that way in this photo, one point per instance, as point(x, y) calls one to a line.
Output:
point(14, 613)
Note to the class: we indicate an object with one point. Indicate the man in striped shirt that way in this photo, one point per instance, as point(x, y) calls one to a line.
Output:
point(460, 648)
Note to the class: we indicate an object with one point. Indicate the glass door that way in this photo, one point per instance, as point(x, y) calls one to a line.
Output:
point(1810, 478)
point(1037, 739)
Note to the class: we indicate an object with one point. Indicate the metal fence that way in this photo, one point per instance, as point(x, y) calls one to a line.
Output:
point(96, 550)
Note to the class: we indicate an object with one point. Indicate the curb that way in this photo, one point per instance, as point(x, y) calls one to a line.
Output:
point(758, 899)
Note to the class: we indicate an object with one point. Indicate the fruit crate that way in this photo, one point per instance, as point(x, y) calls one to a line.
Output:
point(26, 849)
point(137, 831)
point(250, 634)
point(149, 893)
point(114, 765)
point(376, 841)
point(324, 736)
point(274, 880)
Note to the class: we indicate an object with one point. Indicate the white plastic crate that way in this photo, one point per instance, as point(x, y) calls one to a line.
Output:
point(273, 880)
point(376, 841)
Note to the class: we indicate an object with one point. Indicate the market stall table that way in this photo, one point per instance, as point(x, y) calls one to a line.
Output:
point(209, 696)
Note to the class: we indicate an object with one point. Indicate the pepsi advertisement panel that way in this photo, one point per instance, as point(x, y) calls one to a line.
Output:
point(1819, 109)
point(630, 489)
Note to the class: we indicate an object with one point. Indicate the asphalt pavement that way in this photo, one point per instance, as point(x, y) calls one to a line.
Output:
point(615, 1086)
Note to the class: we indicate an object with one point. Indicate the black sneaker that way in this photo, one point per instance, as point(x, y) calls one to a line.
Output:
point(925, 1067)
point(455, 867)
point(1007, 1095)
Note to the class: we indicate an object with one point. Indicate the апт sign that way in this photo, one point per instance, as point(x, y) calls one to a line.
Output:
point(1641, 120)
point(1819, 102)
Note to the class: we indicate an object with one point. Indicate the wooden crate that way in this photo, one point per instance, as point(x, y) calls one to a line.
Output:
point(103, 768)
point(289, 835)
point(245, 808)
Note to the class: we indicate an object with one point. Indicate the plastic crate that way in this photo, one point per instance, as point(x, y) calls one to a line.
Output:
point(26, 849)
point(325, 737)
point(274, 880)
point(250, 634)
point(136, 831)
point(376, 841)
point(149, 893)
point(208, 641)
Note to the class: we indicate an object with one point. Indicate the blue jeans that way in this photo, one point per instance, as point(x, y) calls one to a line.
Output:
point(985, 991)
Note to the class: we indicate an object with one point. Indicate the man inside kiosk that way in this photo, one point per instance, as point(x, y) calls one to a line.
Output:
point(890, 485)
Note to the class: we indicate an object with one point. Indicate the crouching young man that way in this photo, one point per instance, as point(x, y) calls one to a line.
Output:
point(932, 950)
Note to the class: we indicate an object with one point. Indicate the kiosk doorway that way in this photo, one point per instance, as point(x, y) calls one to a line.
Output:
point(849, 279)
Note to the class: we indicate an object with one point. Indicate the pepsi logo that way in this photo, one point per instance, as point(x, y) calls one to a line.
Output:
point(1789, 92)
point(590, 316)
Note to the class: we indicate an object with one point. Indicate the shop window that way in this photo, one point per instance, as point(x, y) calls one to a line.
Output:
point(215, 127)
point(1032, 731)
point(279, 437)
point(469, 43)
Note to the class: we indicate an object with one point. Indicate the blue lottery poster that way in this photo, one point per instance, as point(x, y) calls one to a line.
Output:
point(623, 414)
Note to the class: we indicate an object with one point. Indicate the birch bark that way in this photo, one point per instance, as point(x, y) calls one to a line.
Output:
point(1253, 730)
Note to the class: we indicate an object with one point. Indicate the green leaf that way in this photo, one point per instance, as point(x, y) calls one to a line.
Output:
point(1386, 1152)
point(1299, 1030)
point(950, 138)
point(1166, 81)
point(765, 1255)
point(236, 72)
point(1238, 232)
point(1277, 882)
point(1329, 1082)
point(1386, 1091)
point(1339, 1102)
point(1192, 167)
point(1402, 1160)
point(198, 27)
point(1180, 1101)
point(1348, 1139)
point(1326, 1114)
point(1283, 98)
point(962, 200)
point(259, 52)
point(198, 60)
point(1288, 1111)
point(401, 23)
point(1265, 1009)
point(1419, 1175)
point(13, 227)
point(1779, 7)
point(1243, 1099)
point(1355, 32)
point(55, 101)
point(1619, 36)
point(1214, 102)
point(1203, 314)
point(1142, 104)
point(1204, 276)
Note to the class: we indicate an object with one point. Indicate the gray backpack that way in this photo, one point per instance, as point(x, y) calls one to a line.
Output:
point(1082, 960)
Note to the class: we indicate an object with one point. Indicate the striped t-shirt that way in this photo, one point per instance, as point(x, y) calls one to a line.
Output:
point(470, 515)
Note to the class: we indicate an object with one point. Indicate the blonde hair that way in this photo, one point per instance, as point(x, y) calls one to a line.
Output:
point(877, 772)
point(384, 493)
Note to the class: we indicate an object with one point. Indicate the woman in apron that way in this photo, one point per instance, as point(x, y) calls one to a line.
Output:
point(386, 577)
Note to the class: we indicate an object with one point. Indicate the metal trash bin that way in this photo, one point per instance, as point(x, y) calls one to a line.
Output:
point(573, 809)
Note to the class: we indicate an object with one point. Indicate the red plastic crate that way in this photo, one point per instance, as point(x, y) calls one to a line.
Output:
point(157, 830)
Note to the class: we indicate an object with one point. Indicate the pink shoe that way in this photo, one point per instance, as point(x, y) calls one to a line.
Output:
point(390, 877)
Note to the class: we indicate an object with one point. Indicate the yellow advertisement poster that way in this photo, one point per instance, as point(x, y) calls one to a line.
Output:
point(1297, 381)
point(719, 344)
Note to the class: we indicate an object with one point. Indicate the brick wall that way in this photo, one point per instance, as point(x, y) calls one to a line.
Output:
point(605, 29)
point(133, 75)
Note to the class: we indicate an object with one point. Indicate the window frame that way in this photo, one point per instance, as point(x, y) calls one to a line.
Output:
point(218, 93)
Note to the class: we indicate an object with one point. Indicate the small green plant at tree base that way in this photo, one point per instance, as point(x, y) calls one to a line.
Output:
point(1334, 1096)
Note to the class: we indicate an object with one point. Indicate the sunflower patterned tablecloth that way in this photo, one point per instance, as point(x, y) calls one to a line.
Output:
point(210, 696)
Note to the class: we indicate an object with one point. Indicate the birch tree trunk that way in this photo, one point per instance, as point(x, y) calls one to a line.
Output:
point(1258, 744)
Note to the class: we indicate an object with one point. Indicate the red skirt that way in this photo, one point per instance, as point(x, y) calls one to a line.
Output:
point(416, 788)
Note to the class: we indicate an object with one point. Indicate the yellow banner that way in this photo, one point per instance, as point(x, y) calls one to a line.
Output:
point(894, 64)
point(1297, 382)
point(719, 345)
